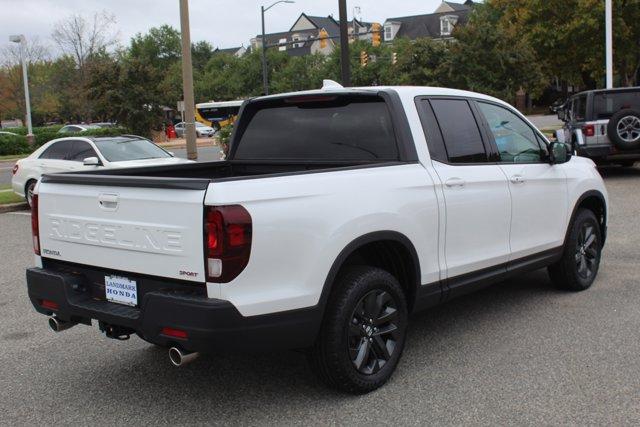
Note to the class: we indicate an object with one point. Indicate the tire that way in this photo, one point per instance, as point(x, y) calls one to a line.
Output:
point(363, 332)
point(624, 129)
point(28, 191)
point(580, 261)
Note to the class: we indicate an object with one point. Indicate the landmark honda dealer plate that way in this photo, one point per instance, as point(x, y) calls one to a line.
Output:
point(121, 290)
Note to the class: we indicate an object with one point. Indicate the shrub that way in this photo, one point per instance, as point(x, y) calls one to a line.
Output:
point(13, 144)
point(224, 137)
point(10, 144)
point(44, 135)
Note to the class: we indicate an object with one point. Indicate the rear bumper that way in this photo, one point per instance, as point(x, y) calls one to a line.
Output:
point(607, 153)
point(211, 325)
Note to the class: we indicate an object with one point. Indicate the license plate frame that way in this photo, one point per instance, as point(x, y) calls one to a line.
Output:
point(121, 290)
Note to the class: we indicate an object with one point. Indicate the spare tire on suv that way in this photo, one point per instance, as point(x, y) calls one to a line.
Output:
point(624, 129)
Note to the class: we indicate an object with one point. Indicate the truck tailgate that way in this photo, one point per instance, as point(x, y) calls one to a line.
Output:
point(146, 230)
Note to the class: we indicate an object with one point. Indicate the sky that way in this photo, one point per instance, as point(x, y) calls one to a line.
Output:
point(224, 24)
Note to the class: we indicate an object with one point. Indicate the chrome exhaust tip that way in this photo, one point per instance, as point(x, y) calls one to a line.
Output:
point(180, 357)
point(58, 325)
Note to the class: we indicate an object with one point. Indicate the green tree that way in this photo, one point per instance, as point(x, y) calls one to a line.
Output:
point(489, 59)
point(569, 37)
point(159, 48)
point(419, 62)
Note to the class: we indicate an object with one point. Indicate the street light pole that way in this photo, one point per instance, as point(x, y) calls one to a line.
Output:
point(21, 40)
point(265, 77)
point(187, 82)
point(609, 42)
point(265, 73)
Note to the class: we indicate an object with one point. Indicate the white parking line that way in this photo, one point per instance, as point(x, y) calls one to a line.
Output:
point(6, 169)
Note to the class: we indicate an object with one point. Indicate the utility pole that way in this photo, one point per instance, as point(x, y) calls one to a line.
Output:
point(345, 64)
point(187, 82)
point(609, 42)
point(22, 41)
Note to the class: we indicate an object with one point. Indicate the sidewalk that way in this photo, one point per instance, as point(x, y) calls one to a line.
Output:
point(182, 143)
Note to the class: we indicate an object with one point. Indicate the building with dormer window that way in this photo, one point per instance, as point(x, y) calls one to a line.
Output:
point(438, 25)
point(302, 37)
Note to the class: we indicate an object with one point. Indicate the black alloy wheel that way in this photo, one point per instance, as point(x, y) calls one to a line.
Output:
point(373, 333)
point(587, 251)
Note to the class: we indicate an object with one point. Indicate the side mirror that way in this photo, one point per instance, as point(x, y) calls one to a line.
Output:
point(91, 161)
point(560, 153)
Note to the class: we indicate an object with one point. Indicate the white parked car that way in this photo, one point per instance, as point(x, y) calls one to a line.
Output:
point(77, 128)
point(202, 131)
point(338, 214)
point(74, 154)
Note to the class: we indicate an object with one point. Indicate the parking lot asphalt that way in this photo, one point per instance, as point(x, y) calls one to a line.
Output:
point(518, 353)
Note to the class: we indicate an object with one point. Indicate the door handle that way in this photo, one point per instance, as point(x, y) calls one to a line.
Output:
point(517, 179)
point(454, 182)
point(108, 201)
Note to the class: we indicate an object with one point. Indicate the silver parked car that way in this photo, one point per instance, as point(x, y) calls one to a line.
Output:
point(603, 125)
point(202, 131)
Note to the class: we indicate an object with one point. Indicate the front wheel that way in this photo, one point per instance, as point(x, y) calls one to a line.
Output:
point(363, 332)
point(580, 261)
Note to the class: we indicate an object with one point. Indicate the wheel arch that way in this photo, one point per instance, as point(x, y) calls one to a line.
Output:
point(389, 250)
point(595, 201)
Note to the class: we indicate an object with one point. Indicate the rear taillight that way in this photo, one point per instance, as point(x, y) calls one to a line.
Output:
point(15, 169)
point(227, 237)
point(174, 333)
point(49, 304)
point(35, 229)
point(589, 130)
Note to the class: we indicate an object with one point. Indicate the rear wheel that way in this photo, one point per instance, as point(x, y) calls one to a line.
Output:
point(580, 261)
point(363, 332)
point(28, 191)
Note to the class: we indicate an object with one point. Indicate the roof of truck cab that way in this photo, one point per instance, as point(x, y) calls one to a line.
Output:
point(403, 91)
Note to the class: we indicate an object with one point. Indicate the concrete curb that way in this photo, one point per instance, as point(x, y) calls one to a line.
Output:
point(167, 145)
point(13, 207)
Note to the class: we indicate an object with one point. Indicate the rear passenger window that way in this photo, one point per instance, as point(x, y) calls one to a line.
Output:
point(460, 131)
point(58, 150)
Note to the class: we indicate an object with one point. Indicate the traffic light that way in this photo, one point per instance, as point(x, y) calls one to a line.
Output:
point(364, 58)
point(376, 34)
point(394, 58)
point(323, 38)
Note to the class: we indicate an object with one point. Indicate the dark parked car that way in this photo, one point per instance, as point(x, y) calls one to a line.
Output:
point(603, 125)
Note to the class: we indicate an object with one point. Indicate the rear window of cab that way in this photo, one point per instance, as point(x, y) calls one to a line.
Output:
point(320, 128)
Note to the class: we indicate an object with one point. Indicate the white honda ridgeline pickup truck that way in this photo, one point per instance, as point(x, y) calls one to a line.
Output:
point(338, 213)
